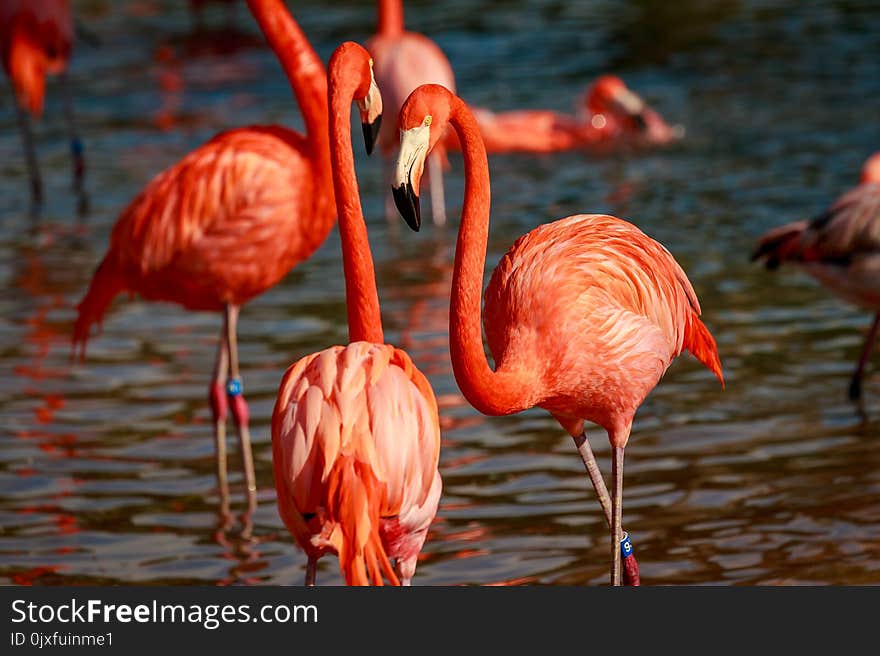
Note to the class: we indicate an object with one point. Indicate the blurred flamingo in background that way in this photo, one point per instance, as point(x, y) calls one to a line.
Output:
point(403, 60)
point(226, 223)
point(355, 430)
point(36, 39)
point(583, 315)
point(611, 115)
point(841, 249)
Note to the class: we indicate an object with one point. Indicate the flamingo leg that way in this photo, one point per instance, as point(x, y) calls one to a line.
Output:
point(219, 409)
point(311, 571)
point(76, 147)
point(616, 514)
point(630, 564)
point(240, 413)
point(435, 178)
point(30, 155)
point(855, 386)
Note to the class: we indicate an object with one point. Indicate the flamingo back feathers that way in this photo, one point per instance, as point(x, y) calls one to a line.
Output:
point(355, 438)
point(595, 309)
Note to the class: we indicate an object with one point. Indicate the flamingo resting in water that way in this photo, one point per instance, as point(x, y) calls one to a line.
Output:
point(402, 61)
point(841, 249)
point(226, 223)
point(355, 430)
point(611, 115)
point(583, 315)
point(36, 39)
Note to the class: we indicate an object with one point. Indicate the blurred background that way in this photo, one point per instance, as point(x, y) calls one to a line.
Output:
point(107, 469)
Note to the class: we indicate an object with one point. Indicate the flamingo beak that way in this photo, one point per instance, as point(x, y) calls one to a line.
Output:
point(414, 146)
point(371, 113)
point(371, 132)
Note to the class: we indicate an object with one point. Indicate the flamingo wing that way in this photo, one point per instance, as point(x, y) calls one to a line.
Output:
point(222, 225)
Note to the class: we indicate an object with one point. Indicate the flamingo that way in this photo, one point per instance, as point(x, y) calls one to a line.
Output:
point(225, 224)
point(841, 249)
point(355, 429)
point(402, 61)
point(36, 39)
point(583, 315)
point(611, 114)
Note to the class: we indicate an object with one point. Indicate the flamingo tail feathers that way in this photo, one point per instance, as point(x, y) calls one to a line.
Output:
point(354, 502)
point(699, 341)
point(106, 284)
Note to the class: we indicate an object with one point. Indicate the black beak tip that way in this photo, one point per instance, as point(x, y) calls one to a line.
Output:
point(371, 132)
point(407, 202)
point(640, 121)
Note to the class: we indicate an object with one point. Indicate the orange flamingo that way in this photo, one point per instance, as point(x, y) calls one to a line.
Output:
point(355, 430)
point(841, 249)
point(583, 315)
point(226, 223)
point(403, 60)
point(611, 115)
point(36, 39)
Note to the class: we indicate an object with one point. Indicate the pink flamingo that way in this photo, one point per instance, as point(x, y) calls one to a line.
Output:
point(226, 223)
point(355, 430)
point(36, 39)
point(403, 60)
point(841, 249)
point(583, 315)
point(611, 115)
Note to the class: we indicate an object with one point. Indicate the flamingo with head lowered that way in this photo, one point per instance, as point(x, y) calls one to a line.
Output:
point(403, 60)
point(611, 115)
point(225, 224)
point(841, 249)
point(583, 315)
point(355, 429)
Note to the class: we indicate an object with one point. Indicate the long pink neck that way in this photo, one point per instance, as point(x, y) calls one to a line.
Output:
point(390, 17)
point(306, 74)
point(361, 296)
point(490, 392)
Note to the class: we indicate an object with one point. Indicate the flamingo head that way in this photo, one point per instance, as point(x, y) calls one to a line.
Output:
point(871, 169)
point(616, 110)
point(423, 119)
point(353, 63)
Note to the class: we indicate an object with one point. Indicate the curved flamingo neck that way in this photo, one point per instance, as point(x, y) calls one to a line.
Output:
point(304, 70)
point(361, 296)
point(490, 392)
point(390, 18)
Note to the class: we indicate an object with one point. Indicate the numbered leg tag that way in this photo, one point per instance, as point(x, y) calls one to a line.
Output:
point(626, 547)
point(233, 387)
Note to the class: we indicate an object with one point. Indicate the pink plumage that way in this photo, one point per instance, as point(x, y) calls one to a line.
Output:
point(358, 421)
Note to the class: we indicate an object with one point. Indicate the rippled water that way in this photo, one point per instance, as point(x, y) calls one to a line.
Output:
point(106, 468)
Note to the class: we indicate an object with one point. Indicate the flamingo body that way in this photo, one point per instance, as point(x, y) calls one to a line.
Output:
point(356, 440)
point(596, 311)
point(221, 226)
